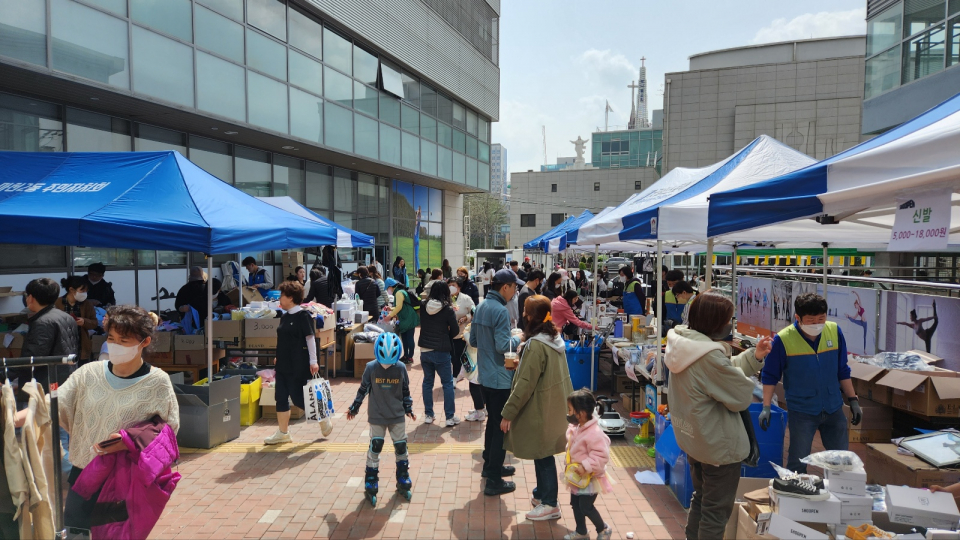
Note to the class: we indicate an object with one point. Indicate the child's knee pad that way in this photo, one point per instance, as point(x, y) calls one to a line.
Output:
point(400, 447)
point(376, 444)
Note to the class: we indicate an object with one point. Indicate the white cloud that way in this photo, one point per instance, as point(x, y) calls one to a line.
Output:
point(602, 68)
point(814, 25)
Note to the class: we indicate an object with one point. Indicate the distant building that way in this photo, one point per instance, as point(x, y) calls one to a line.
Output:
point(562, 163)
point(499, 173)
point(628, 148)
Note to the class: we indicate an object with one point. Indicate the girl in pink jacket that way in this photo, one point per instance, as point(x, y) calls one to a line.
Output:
point(589, 449)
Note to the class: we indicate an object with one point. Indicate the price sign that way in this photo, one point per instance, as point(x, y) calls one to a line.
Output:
point(922, 222)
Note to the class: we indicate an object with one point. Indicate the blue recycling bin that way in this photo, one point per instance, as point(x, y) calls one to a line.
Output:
point(680, 482)
point(663, 469)
point(580, 365)
point(769, 441)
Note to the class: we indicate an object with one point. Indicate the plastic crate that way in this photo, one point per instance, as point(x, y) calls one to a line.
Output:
point(769, 441)
point(680, 483)
point(579, 365)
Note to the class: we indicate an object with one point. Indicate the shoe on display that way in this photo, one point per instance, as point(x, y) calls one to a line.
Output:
point(499, 488)
point(794, 486)
point(606, 533)
point(506, 470)
point(813, 479)
point(576, 536)
point(543, 513)
point(428, 419)
point(452, 421)
point(278, 438)
point(865, 531)
point(476, 415)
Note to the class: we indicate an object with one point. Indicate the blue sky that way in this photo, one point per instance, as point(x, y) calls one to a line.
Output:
point(560, 59)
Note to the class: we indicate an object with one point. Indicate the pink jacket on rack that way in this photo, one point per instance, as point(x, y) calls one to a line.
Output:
point(590, 447)
point(135, 484)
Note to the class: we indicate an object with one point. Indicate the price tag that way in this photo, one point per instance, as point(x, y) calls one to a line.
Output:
point(922, 222)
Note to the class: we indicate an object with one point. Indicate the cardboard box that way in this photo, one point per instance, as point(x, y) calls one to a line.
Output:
point(362, 354)
point(162, 342)
point(329, 322)
point(885, 466)
point(195, 358)
point(268, 396)
point(190, 343)
point(746, 485)
point(326, 337)
point(914, 506)
point(260, 343)
point(853, 508)
point(160, 358)
point(930, 359)
point(849, 482)
point(747, 526)
point(805, 510)
point(778, 526)
point(16, 344)
point(229, 331)
point(869, 435)
point(865, 377)
point(249, 295)
point(260, 328)
point(927, 393)
point(624, 385)
point(209, 415)
point(270, 411)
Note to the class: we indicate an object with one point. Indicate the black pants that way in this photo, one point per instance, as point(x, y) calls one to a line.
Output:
point(548, 487)
point(459, 346)
point(77, 511)
point(714, 492)
point(583, 508)
point(476, 392)
point(494, 454)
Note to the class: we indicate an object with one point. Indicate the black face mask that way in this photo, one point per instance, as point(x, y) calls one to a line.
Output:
point(573, 420)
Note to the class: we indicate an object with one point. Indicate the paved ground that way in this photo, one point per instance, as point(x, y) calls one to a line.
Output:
point(314, 488)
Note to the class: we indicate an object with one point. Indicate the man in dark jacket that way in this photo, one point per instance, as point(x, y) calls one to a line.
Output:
point(515, 266)
point(99, 292)
point(534, 279)
point(194, 294)
point(52, 332)
point(368, 290)
point(319, 292)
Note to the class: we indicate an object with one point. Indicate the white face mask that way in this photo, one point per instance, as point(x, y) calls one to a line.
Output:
point(92, 282)
point(812, 329)
point(454, 291)
point(80, 296)
point(121, 354)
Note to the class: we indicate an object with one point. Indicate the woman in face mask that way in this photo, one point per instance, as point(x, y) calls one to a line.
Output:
point(467, 286)
point(75, 304)
point(552, 289)
point(534, 417)
point(104, 397)
point(463, 305)
point(707, 391)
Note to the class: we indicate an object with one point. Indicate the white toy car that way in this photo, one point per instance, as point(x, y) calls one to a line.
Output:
point(610, 420)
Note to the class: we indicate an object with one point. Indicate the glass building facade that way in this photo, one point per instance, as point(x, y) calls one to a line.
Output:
point(910, 40)
point(627, 149)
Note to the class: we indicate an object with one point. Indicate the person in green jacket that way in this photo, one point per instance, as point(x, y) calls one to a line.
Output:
point(707, 391)
point(535, 415)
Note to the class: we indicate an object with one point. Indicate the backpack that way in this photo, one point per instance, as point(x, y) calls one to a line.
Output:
point(408, 318)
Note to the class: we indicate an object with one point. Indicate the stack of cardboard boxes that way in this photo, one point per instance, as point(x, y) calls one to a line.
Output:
point(291, 260)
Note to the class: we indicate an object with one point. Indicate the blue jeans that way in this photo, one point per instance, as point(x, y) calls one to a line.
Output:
point(437, 363)
point(406, 339)
point(548, 486)
point(65, 465)
point(833, 434)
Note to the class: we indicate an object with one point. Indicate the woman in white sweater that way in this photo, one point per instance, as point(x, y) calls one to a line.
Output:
point(101, 398)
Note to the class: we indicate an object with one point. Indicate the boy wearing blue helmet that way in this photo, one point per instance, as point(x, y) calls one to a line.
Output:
point(387, 383)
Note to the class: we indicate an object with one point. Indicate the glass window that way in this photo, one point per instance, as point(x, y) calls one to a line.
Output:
point(266, 55)
point(100, 56)
point(389, 144)
point(288, 177)
point(337, 87)
point(436, 205)
point(392, 81)
point(253, 171)
point(921, 14)
point(954, 7)
point(471, 147)
point(306, 72)
point(410, 119)
point(483, 176)
point(472, 172)
point(220, 87)
point(338, 127)
point(212, 156)
point(117, 6)
point(365, 99)
point(445, 163)
point(459, 116)
point(389, 109)
point(27, 256)
point(484, 152)
point(471, 122)
point(91, 132)
point(25, 29)
point(269, 16)
point(344, 190)
point(428, 127)
point(483, 128)
point(883, 31)
point(27, 125)
point(337, 50)
point(428, 157)
point(421, 200)
point(318, 185)
point(364, 66)
point(459, 141)
point(305, 33)
point(268, 102)
point(882, 73)
point(411, 89)
point(84, 256)
point(168, 16)
point(343, 219)
point(403, 199)
point(410, 146)
point(365, 135)
point(167, 258)
point(367, 195)
point(154, 139)
point(444, 108)
point(162, 68)
point(306, 116)
point(953, 41)
point(459, 168)
point(444, 134)
point(219, 34)
point(923, 55)
point(230, 8)
point(428, 100)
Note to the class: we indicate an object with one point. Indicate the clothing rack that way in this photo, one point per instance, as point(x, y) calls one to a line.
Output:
point(53, 362)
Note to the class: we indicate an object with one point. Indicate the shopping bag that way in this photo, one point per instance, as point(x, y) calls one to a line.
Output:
point(469, 359)
point(318, 399)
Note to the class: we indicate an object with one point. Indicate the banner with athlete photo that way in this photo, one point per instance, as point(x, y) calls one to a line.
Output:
point(784, 294)
point(855, 312)
point(754, 313)
point(921, 322)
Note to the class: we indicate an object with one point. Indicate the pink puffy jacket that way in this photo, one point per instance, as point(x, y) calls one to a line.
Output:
point(590, 447)
point(134, 485)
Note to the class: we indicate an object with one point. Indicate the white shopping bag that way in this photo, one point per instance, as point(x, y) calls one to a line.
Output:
point(318, 403)
point(469, 359)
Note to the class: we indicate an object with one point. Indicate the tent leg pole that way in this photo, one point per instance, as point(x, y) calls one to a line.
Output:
point(593, 363)
point(708, 271)
point(659, 294)
point(825, 244)
point(208, 328)
point(72, 268)
point(733, 285)
point(240, 282)
point(156, 262)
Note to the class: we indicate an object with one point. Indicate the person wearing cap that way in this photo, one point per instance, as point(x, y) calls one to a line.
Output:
point(194, 293)
point(490, 334)
point(258, 277)
point(99, 292)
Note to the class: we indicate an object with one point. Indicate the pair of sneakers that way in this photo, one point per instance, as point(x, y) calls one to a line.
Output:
point(605, 534)
point(476, 415)
point(450, 422)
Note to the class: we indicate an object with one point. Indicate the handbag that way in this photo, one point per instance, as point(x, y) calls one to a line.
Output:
point(753, 458)
point(469, 359)
point(572, 477)
point(318, 403)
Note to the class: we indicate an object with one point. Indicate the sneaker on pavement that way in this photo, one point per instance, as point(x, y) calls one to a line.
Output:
point(606, 533)
point(476, 415)
point(278, 438)
point(794, 486)
point(535, 501)
point(452, 421)
point(543, 513)
point(499, 488)
point(576, 536)
point(428, 419)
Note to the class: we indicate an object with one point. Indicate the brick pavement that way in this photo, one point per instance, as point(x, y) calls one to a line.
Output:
point(318, 493)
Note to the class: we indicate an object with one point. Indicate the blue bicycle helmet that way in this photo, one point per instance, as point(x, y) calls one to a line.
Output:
point(388, 348)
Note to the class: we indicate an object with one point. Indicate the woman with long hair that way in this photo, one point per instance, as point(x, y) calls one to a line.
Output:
point(552, 287)
point(74, 302)
point(399, 271)
point(438, 328)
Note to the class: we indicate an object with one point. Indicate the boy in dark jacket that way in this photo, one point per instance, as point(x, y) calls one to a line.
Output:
point(389, 387)
point(52, 332)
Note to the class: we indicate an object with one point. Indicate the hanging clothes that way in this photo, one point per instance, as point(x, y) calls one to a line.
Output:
point(36, 444)
point(12, 459)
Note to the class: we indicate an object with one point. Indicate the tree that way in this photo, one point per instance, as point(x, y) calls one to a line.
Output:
point(487, 215)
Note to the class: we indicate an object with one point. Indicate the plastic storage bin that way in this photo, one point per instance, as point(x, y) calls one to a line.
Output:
point(770, 441)
point(579, 364)
point(680, 483)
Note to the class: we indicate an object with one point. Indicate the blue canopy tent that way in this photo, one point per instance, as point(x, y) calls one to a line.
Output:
point(557, 241)
point(346, 238)
point(141, 200)
point(535, 243)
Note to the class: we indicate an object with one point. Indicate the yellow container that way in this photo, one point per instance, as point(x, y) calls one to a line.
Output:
point(636, 324)
point(251, 392)
point(249, 412)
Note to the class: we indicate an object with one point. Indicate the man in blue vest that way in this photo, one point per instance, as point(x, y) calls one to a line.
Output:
point(811, 357)
point(258, 277)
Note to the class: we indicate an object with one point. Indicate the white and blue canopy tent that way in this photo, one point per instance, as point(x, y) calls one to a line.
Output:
point(556, 241)
point(346, 238)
